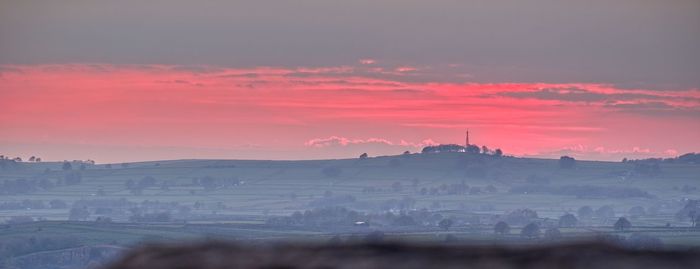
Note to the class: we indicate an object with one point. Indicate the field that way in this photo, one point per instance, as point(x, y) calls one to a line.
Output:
point(202, 205)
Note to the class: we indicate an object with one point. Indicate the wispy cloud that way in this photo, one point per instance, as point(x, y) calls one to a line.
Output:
point(344, 141)
point(605, 153)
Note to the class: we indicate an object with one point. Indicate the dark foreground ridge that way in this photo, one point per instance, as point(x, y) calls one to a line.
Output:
point(218, 255)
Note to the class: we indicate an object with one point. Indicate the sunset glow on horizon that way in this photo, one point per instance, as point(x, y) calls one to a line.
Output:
point(114, 113)
point(130, 80)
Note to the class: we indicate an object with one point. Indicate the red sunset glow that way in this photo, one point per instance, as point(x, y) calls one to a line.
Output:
point(310, 79)
point(109, 112)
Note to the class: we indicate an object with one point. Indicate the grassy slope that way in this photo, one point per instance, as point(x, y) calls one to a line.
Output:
point(269, 186)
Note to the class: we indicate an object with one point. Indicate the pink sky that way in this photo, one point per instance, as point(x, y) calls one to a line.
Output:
point(135, 80)
point(113, 113)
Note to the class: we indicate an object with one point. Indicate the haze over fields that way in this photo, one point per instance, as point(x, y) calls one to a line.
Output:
point(92, 213)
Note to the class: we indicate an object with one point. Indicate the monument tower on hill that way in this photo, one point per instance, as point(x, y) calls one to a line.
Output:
point(466, 140)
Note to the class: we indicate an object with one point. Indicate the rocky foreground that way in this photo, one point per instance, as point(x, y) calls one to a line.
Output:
point(218, 255)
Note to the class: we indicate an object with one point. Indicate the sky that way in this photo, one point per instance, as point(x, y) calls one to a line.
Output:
point(117, 81)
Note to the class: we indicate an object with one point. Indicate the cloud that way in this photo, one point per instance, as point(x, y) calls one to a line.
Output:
point(368, 61)
point(604, 153)
point(671, 152)
point(180, 81)
point(404, 69)
point(643, 102)
point(575, 94)
point(343, 141)
point(656, 109)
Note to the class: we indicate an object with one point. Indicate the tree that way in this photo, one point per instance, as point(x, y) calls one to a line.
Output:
point(424, 191)
point(689, 211)
point(406, 153)
point(552, 234)
point(498, 153)
point(103, 220)
point(445, 148)
point(473, 149)
point(33, 158)
point(622, 224)
point(567, 221)
point(521, 216)
point(531, 230)
point(67, 166)
point(363, 156)
point(637, 211)
point(446, 224)
point(501, 228)
point(567, 162)
point(605, 212)
point(484, 150)
point(585, 212)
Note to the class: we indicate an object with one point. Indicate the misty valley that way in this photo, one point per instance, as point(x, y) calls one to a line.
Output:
point(77, 214)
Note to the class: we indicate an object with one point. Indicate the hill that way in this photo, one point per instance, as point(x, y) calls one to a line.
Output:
point(430, 197)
